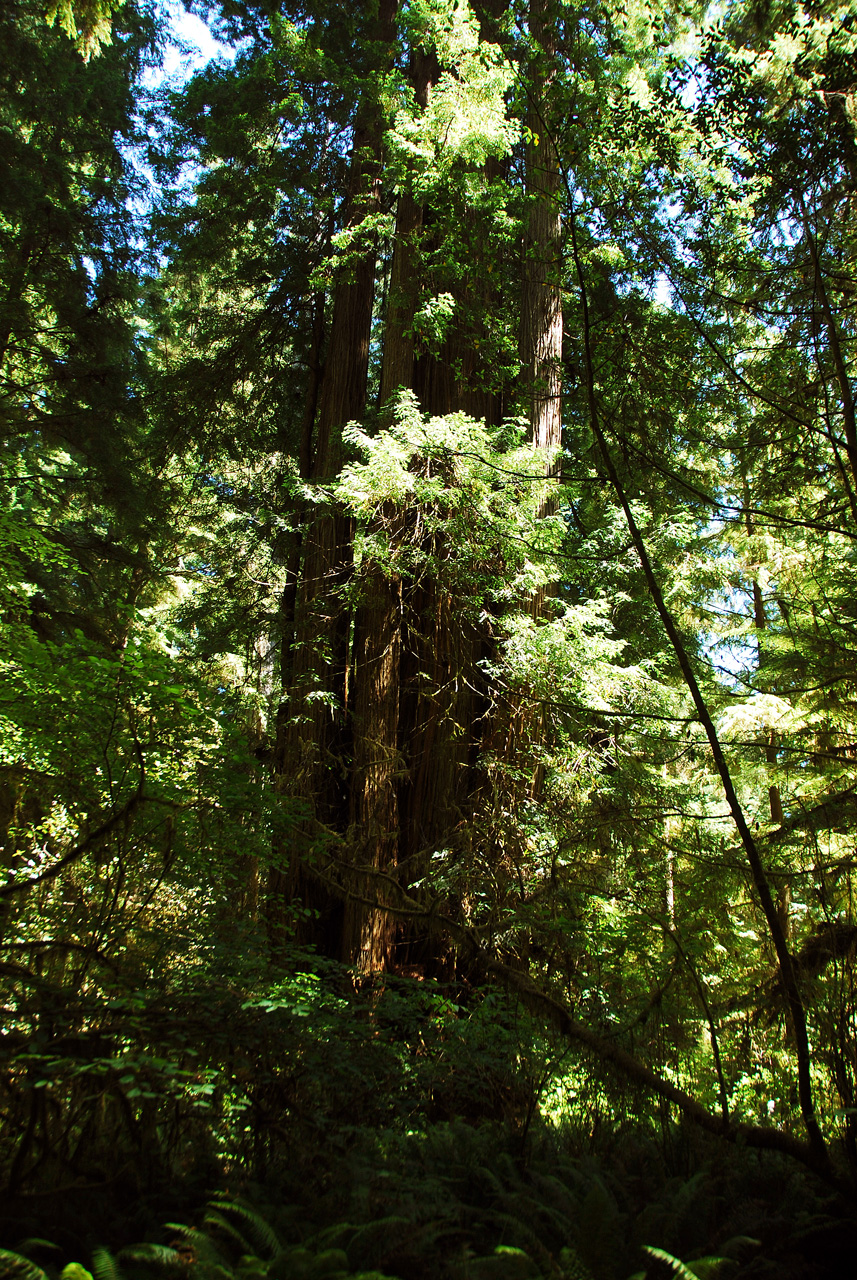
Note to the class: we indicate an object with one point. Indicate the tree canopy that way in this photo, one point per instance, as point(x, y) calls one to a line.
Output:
point(429, 476)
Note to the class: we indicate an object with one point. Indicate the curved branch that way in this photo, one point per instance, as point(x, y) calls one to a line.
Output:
point(551, 1009)
point(760, 880)
point(79, 850)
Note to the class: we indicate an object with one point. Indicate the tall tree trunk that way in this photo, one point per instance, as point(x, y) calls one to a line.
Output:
point(540, 342)
point(368, 932)
point(417, 711)
point(398, 367)
point(440, 705)
point(541, 300)
point(277, 897)
point(315, 745)
point(443, 708)
point(413, 755)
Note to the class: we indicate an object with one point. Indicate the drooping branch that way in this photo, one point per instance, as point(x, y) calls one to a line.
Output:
point(79, 851)
point(757, 870)
point(609, 1052)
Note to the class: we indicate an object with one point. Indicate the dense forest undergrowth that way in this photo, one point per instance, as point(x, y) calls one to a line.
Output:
point(395, 1133)
point(428, 719)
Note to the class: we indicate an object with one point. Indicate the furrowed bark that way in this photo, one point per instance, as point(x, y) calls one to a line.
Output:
point(540, 354)
point(315, 741)
point(541, 300)
point(374, 827)
point(438, 707)
point(368, 933)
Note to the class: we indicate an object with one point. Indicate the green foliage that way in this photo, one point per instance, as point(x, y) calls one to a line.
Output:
point(476, 503)
point(466, 118)
point(88, 22)
point(14, 1267)
point(545, 809)
point(701, 1268)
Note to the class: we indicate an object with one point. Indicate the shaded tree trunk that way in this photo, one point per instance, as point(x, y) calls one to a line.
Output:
point(411, 713)
point(540, 343)
point(277, 895)
point(368, 931)
point(313, 755)
point(413, 755)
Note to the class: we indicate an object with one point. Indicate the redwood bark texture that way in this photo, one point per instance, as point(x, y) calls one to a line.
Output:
point(541, 299)
point(314, 746)
point(386, 716)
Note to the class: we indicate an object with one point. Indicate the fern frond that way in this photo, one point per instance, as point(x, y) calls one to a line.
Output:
point(157, 1257)
point(549, 1185)
point(711, 1268)
point(303, 1263)
point(600, 1227)
point(215, 1223)
point(572, 1265)
point(204, 1248)
point(678, 1267)
point(516, 1232)
point(75, 1271)
point(489, 1178)
point(548, 1217)
point(333, 1236)
point(14, 1267)
point(508, 1170)
point(105, 1266)
point(741, 1244)
point(521, 1203)
point(505, 1263)
point(291, 1264)
point(251, 1268)
point(259, 1231)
